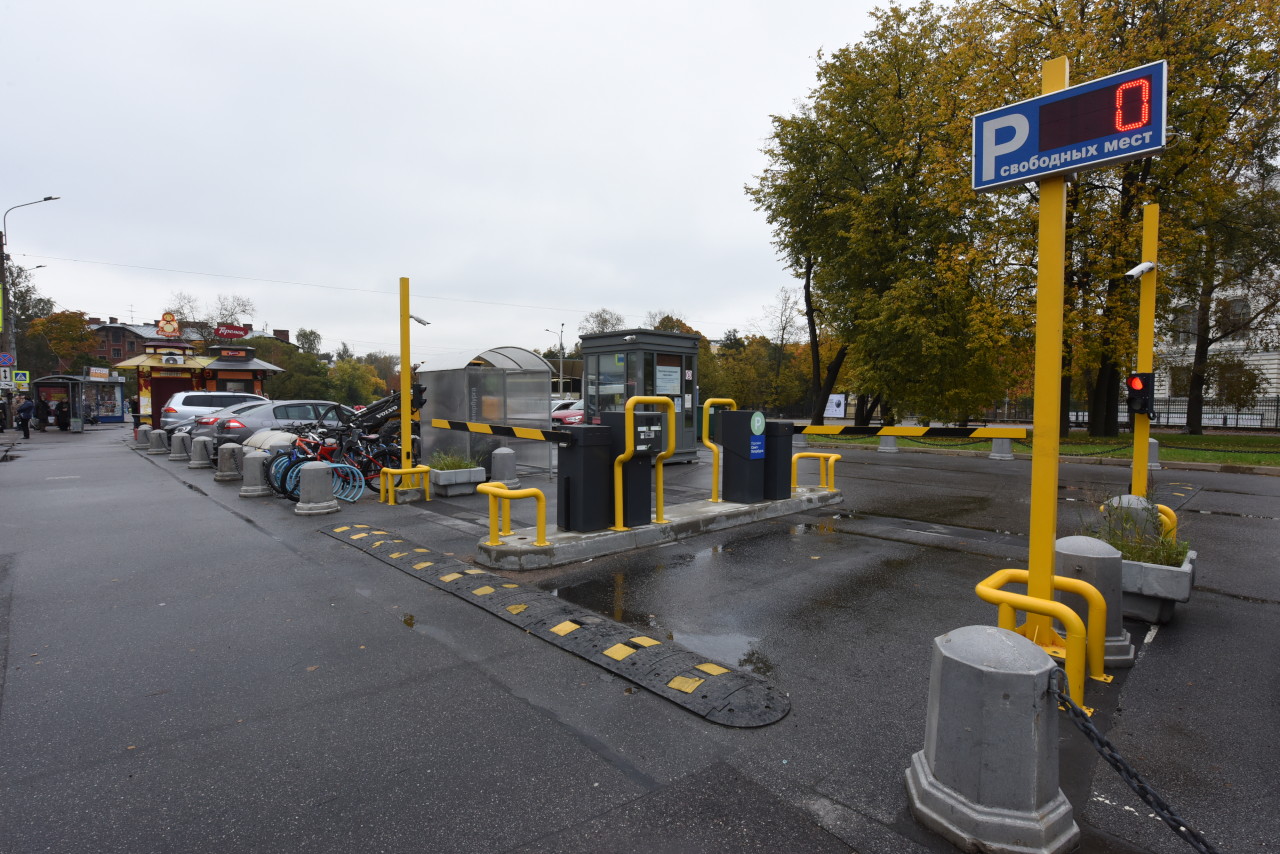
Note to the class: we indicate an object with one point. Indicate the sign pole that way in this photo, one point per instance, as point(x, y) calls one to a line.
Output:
point(1050, 287)
point(1146, 345)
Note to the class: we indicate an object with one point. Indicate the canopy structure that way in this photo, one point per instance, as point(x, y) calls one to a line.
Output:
point(502, 385)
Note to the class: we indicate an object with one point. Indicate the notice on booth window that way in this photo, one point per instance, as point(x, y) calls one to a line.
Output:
point(666, 380)
point(835, 406)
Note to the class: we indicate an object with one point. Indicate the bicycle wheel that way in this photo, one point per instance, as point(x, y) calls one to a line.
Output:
point(275, 472)
point(291, 478)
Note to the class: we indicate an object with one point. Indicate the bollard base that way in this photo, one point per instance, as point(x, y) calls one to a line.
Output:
point(254, 491)
point(407, 495)
point(976, 827)
point(317, 508)
point(200, 464)
point(227, 476)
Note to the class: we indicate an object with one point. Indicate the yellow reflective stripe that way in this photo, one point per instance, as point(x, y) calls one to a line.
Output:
point(565, 627)
point(424, 564)
point(822, 430)
point(619, 651)
point(453, 576)
point(687, 684)
point(713, 669)
point(516, 609)
point(902, 431)
point(644, 641)
point(483, 591)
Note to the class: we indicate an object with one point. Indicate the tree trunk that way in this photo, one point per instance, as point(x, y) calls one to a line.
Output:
point(1064, 412)
point(1104, 400)
point(818, 413)
point(866, 406)
point(1200, 356)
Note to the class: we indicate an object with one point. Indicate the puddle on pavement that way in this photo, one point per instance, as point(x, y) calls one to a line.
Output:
point(409, 620)
point(627, 598)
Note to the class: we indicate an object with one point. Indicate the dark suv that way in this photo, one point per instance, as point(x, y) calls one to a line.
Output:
point(189, 404)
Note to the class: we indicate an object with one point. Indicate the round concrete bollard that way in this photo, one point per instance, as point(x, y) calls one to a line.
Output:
point(315, 490)
point(158, 442)
point(201, 453)
point(142, 438)
point(503, 468)
point(180, 447)
point(987, 779)
point(1133, 514)
point(888, 445)
point(255, 475)
point(1001, 449)
point(1099, 564)
point(230, 462)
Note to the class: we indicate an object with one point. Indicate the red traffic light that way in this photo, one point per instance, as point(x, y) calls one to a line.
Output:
point(1136, 383)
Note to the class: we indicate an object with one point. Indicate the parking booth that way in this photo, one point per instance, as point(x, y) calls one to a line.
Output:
point(644, 362)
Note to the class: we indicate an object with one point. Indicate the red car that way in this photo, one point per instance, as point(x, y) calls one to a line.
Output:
point(568, 412)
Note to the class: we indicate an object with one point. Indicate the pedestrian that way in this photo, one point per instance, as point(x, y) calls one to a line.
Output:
point(136, 412)
point(4, 413)
point(41, 414)
point(25, 410)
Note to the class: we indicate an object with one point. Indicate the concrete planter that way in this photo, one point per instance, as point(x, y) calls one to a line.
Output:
point(456, 481)
point(1152, 590)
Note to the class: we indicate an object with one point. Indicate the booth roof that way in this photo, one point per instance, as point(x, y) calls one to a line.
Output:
point(507, 358)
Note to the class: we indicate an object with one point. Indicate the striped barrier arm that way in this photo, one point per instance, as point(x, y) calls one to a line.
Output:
point(558, 436)
point(916, 432)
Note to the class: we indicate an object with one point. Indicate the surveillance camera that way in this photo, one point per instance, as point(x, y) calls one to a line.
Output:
point(628, 337)
point(1141, 270)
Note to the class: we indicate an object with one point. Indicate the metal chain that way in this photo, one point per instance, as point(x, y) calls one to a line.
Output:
point(1221, 450)
point(1166, 813)
point(945, 444)
point(1063, 453)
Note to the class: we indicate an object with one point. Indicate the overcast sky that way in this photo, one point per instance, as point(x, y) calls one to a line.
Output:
point(522, 163)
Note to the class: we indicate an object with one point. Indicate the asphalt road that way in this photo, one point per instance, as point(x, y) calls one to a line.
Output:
point(187, 670)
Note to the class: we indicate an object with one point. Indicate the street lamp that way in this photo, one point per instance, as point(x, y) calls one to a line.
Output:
point(8, 338)
point(560, 388)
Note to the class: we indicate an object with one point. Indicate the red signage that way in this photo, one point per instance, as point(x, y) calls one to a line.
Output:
point(229, 330)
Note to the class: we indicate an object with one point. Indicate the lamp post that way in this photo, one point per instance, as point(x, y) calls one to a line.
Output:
point(560, 387)
point(9, 341)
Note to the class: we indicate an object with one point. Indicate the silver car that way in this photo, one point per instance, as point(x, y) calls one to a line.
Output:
point(188, 404)
point(204, 425)
point(277, 415)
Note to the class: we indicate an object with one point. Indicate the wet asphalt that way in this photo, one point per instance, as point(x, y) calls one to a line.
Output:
point(188, 670)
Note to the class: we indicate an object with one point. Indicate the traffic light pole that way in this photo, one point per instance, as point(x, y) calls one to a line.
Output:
point(1146, 345)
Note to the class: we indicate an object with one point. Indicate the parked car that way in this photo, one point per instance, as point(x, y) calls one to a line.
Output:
point(188, 404)
point(571, 414)
point(557, 405)
point(276, 415)
point(205, 425)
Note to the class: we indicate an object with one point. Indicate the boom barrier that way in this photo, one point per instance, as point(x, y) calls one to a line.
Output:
point(559, 436)
point(916, 432)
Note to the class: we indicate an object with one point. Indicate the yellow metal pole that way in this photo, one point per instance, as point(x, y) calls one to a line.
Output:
point(1146, 344)
point(406, 433)
point(1051, 278)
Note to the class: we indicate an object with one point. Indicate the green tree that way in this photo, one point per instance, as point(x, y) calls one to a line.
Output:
point(25, 305)
point(601, 320)
point(308, 341)
point(205, 319)
point(67, 336)
point(355, 382)
point(304, 375)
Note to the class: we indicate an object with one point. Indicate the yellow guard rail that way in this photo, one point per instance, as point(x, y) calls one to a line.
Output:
point(499, 491)
point(670, 429)
point(730, 404)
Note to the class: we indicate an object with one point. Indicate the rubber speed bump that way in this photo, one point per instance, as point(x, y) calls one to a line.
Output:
point(709, 689)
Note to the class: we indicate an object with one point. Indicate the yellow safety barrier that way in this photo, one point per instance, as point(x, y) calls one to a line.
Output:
point(826, 469)
point(497, 491)
point(1168, 522)
point(415, 477)
point(630, 426)
point(715, 449)
point(1081, 646)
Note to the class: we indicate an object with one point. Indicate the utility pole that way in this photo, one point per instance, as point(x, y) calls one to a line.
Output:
point(560, 387)
point(8, 333)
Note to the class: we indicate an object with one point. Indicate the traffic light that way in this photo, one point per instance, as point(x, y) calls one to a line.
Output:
point(1142, 393)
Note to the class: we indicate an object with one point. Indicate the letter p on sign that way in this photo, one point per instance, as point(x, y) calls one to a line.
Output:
point(991, 149)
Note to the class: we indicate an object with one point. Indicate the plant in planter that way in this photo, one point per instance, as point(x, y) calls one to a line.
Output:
point(1159, 569)
point(454, 474)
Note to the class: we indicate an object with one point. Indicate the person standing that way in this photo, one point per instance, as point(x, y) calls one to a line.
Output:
point(4, 413)
point(41, 414)
point(25, 410)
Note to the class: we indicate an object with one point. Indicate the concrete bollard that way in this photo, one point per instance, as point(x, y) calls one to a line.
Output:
point(201, 453)
point(987, 779)
point(1099, 564)
point(255, 475)
point(1153, 455)
point(230, 463)
point(180, 447)
point(142, 437)
point(1001, 449)
point(888, 445)
point(503, 468)
point(1133, 514)
point(158, 442)
point(315, 490)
